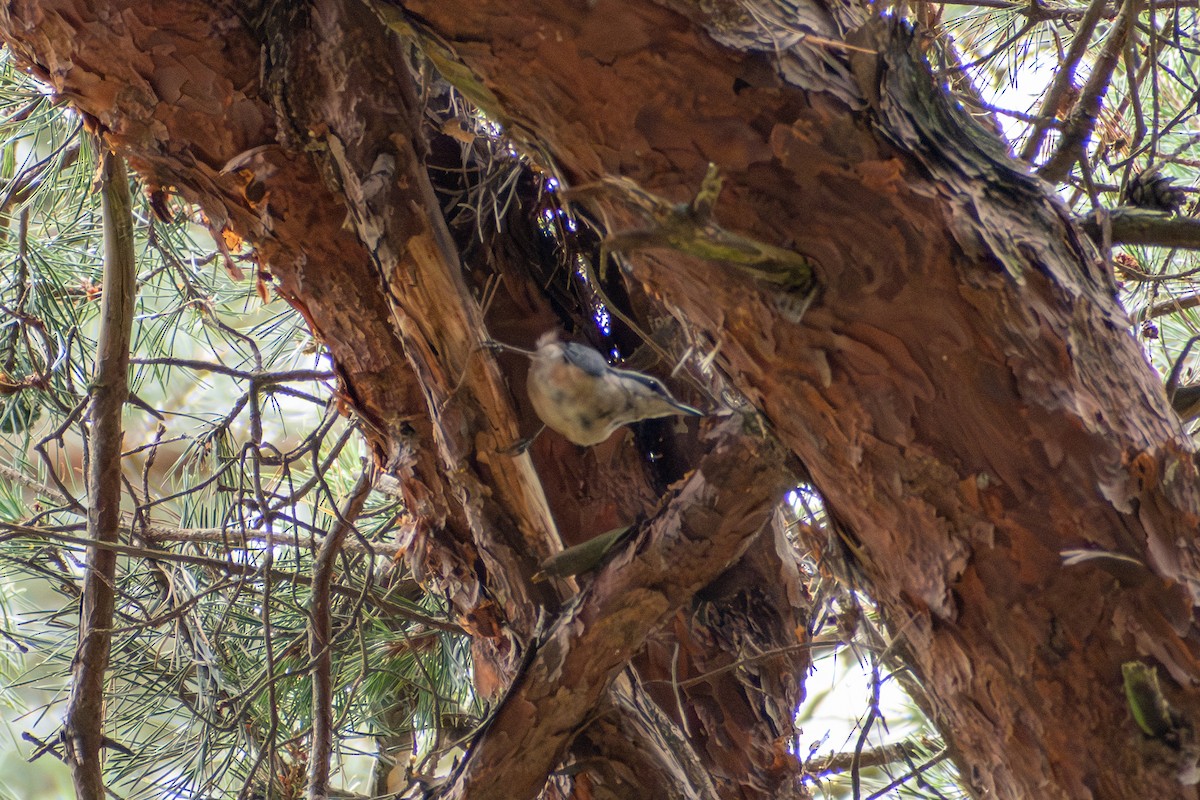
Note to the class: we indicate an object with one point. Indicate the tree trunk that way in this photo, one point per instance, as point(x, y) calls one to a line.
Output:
point(963, 389)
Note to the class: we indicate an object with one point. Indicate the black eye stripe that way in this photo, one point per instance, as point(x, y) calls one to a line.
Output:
point(645, 380)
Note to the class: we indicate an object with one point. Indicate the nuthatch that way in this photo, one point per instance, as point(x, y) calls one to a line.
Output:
point(576, 392)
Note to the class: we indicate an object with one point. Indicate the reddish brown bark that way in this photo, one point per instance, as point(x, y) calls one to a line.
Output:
point(354, 102)
point(705, 527)
point(962, 391)
point(194, 120)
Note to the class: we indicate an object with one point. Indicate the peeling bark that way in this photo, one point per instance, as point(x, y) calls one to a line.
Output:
point(255, 179)
point(193, 120)
point(704, 527)
point(370, 152)
point(963, 390)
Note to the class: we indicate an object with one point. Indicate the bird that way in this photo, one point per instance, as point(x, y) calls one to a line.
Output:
point(575, 392)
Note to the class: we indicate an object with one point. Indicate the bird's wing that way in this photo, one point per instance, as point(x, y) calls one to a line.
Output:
point(587, 359)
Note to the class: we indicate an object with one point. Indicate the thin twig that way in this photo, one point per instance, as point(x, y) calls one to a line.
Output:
point(683, 720)
point(835, 763)
point(915, 772)
point(1172, 306)
point(56, 435)
point(85, 709)
point(824, 641)
point(1063, 78)
point(221, 565)
point(15, 476)
point(1082, 118)
point(872, 714)
point(263, 379)
point(244, 538)
point(1003, 47)
point(320, 643)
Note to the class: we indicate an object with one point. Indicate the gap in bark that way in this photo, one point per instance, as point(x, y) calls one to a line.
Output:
point(556, 249)
point(887, 738)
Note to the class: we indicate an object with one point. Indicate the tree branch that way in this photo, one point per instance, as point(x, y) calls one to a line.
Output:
point(392, 206)
point(320, 640)
point(85, 708)
point(1063, 79)
point(241, 538)
point(1138, 226)
point(907, 750)
point(1171, 306)
point(708, 524)
point(262, 378)
point(1082, 119)
point(656, 737)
